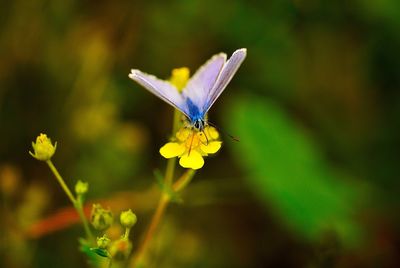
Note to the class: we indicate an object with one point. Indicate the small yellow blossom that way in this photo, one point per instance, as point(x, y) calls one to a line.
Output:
point(103, 242)
point(179, 77)
point(191, 146)
point(43, 149)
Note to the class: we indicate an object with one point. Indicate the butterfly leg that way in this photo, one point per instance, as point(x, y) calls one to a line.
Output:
point(191, 143)
point(205, 135)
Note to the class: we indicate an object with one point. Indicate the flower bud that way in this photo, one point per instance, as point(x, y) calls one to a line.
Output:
point(103, 242)
point(81, 187)
point(128, 218)
point(101, 218)
point(43, 149)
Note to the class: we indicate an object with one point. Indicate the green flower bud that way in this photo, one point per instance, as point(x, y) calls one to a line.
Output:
point(43, 149)
point(103, 242)
point(128, 218)
point(81, 187)
point(101, 218)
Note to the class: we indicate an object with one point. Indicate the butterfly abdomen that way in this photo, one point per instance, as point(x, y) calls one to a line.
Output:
point(196, 117)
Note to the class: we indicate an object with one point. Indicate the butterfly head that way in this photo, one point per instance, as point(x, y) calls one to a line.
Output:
point(199, 124)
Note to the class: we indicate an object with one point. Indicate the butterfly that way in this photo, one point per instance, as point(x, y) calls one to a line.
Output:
point(202, 89)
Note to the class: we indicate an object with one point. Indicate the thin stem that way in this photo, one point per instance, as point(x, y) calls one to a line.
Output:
point(159, 213)
point(139, 258)
point(183, 181)
point(61, 181)
point(77, 203)
point(127, 231)
point(79, 209)
point(179, 185)
point(169, 172)
point(177, 121)
point(164, 200)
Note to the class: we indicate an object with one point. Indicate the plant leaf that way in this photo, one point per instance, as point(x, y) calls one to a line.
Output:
point(287, 170)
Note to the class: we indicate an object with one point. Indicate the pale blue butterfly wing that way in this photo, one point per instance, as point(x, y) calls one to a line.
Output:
point(201, 91)
point(199, 86)
point(225, 76)
point(162, 89)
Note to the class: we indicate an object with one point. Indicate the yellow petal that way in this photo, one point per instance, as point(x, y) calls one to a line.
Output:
point(212, 147)
point(172, 149)
point(194, 160)
point(203, 138)
point(212, 133)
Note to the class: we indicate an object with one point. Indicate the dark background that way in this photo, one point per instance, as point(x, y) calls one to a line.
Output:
point(313, 181)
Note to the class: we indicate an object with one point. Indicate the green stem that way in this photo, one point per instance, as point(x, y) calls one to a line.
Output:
point(177, 121)
point(179, 185)
point(61, 181)
point(139, 258)
point(184, 180)
point(169, 172)
point(79, 209)
point(77, 203)
point(127, 231)
point(162, 204)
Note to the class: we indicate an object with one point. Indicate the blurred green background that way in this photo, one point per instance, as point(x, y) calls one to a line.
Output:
point(313, 181)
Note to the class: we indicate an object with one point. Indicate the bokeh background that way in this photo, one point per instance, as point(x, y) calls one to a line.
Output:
point(313, 181)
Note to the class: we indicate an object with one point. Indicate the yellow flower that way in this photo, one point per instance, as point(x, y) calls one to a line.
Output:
point(191, 145)
point(179, 77)
point(103, 242)
point(43, 149)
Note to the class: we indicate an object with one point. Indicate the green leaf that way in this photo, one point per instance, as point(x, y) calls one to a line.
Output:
point(288, 171)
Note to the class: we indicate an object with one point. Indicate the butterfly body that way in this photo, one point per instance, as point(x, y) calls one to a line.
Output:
point(196, 117)
point(199, 124)
point(200, 92)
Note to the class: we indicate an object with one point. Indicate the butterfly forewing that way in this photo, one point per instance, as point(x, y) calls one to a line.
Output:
point(202, 82)
point(202, 90)
point(225, 76)
point(162, 89)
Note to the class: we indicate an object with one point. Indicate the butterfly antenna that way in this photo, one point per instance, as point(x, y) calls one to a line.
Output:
point(223, 132)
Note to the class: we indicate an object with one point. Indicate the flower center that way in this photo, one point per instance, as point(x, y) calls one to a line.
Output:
point(193, 141)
